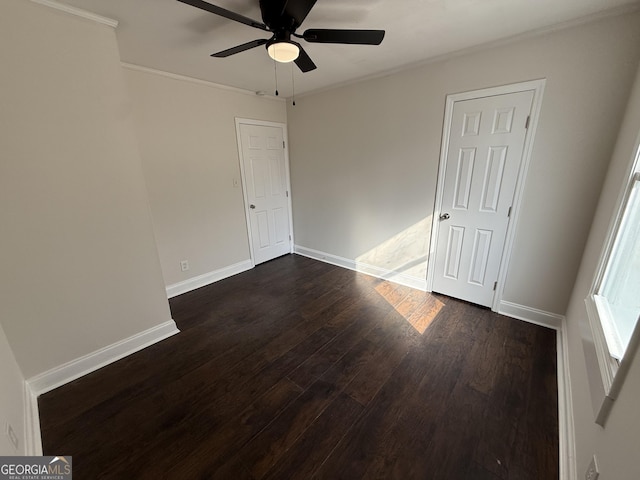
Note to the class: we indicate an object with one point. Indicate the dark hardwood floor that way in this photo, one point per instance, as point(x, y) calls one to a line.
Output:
point(299, 369)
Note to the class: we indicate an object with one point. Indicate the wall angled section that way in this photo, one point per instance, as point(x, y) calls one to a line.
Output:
point(80, 268)
point(614, 443)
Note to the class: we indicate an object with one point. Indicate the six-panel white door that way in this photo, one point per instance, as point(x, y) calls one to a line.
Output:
point(266, 190)
point(484, 154)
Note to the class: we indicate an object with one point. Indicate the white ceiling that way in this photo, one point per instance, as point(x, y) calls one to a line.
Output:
point(170, 36)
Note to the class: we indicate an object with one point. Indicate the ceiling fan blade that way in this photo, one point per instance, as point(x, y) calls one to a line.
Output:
point(357, 37)
point(225, 13)
point(304, 61)
point(240, 48)
point(298, 9)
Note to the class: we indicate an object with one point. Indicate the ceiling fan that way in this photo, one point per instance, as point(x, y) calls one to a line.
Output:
point(281, 18)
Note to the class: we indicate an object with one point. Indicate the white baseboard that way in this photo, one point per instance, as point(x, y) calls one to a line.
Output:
point(32, 440)
point(208, 278)
point(374, 271)
point(566, 427)
point(531, 315)
point(79, 367)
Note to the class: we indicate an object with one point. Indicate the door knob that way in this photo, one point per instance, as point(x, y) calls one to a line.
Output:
point(444, 216)
point(252, 206)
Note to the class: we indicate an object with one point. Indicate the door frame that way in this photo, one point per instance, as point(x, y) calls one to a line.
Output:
point(537, 86)
point(263, 123)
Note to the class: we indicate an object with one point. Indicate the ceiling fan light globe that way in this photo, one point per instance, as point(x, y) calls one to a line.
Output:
point(283, 52)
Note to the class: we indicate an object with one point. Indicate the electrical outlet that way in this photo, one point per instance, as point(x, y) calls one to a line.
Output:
point(592, 470)
point(13, 438)
point(184, 265)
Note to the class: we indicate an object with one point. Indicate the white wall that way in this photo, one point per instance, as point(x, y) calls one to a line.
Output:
point(187, 138)
point(79, 266)
point(12, 408)
point(616, 445)
point(364, 157)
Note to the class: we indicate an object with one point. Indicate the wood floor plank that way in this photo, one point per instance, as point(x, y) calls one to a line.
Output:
point(488, 355)
point(205, 451)
point(507, 404)
point(530, 461)
point(318, 440)
point(300, 369)
point(389, 349)
point(372, 432)
point(436, 430)
point(265, 449)
point(318, 363)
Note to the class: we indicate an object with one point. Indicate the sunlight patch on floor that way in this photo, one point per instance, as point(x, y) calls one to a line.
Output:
point(416, 307)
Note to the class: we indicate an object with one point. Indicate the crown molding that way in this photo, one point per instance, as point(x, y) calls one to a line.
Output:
point(78, 12)
point(198, 81)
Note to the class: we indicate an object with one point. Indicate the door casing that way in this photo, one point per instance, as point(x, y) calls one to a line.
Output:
point(283, 126)
point(537, 86)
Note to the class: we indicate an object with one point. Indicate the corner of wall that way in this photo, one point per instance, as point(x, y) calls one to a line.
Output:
point(35, 386)
point(12, 400)
point(32, 437)
point(566, 427)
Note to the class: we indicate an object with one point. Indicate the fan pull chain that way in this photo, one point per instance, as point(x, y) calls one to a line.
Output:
point(275, 74)
point(293, 86)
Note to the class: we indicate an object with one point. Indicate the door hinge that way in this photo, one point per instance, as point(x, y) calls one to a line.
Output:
point(287, 193)
point(526, 125)
point(289, 237)
point(283, 144)
point(509, 212)
point(495, 285)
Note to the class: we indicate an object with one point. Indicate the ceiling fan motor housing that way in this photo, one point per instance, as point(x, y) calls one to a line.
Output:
point(278, 17)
